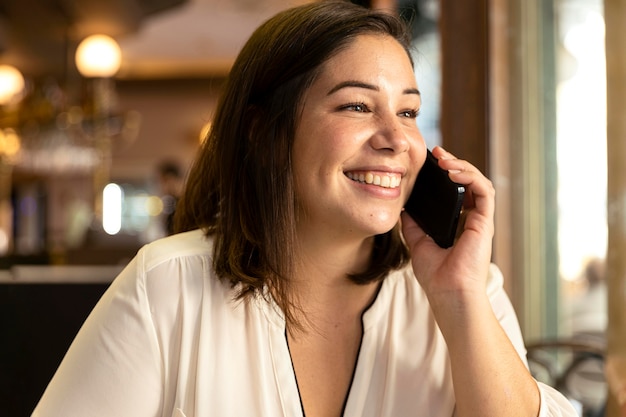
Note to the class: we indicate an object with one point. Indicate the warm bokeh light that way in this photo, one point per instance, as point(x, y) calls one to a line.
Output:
point(154, 205)
point(98, 56)
point(4, 242)
point(9, 143)
point(11, 83)
point(204, 131)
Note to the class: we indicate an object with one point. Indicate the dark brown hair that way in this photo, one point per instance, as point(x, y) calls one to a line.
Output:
point(240, 188)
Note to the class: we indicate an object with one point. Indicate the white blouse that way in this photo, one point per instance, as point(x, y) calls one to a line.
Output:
point(167, 339)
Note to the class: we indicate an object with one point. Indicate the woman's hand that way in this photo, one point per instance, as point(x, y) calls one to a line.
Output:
point(463, 268)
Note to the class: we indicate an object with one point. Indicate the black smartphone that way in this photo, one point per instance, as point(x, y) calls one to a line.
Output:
point(435, 202)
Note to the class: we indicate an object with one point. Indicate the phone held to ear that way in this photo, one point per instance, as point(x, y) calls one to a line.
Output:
point(435, 202)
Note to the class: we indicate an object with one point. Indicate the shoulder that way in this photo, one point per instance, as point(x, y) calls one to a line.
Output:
point(178, 268)
point(176, 248)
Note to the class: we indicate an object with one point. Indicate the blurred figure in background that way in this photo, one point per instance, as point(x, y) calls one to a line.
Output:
point(171, 183)
point(588, 314)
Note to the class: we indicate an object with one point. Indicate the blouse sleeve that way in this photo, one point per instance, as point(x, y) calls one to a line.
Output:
point(113, 366)
point(553, 403)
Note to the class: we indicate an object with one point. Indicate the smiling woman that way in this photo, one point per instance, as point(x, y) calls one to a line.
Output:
point(295, 285)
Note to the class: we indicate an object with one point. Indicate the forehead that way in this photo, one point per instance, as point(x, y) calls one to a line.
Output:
point(368, 57)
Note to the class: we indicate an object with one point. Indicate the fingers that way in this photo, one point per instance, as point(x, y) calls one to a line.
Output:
point(464, 173)
point(479, 203)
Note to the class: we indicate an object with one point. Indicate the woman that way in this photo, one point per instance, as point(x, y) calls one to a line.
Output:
point(292, 290)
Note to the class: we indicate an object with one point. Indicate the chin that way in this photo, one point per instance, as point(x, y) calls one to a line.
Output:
point(383, 224)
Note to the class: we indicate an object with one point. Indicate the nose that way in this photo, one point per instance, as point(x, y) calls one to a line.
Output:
point(393, 135)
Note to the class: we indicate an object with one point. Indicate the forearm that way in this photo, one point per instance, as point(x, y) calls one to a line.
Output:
point(489, 377)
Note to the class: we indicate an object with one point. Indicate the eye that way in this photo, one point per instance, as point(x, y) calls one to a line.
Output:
point(357, 107)
point(410, 114)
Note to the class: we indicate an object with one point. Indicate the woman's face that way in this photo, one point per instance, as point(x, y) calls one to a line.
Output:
point(357, 147)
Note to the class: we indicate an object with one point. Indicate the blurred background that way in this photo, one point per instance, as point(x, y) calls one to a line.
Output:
point(104, 104)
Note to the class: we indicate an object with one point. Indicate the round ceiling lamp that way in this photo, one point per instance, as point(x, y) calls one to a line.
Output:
point(98, 56)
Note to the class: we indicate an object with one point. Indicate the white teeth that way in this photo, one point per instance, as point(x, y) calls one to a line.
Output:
point(385, 181)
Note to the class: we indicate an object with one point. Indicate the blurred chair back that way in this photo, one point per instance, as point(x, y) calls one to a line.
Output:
point(575, 367)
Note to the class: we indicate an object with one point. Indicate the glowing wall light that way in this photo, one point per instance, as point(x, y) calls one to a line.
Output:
point(112, 197)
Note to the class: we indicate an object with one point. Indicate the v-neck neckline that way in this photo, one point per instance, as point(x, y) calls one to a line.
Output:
point(284, 369)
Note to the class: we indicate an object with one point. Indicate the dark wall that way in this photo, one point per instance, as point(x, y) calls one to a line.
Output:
point(37, 325)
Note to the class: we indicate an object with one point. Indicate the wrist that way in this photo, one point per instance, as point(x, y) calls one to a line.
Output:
point(458, 312)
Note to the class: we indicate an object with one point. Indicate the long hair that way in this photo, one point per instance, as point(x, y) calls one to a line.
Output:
point(240, 189)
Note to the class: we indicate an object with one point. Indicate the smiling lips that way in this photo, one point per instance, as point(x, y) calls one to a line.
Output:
point(387, 180)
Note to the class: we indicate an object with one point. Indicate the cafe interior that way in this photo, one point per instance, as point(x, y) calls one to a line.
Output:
point(103, 105)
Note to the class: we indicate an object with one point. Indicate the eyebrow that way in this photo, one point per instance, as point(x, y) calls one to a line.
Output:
point(360, 84)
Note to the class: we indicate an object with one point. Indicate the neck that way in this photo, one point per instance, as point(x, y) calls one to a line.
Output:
point(327, 260)
point(322, 287)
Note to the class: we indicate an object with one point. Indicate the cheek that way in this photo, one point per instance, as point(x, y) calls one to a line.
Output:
point(319, 146)
point(417, 156)
point(417, 152)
